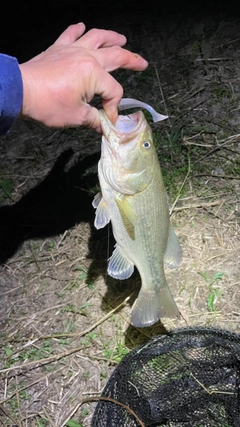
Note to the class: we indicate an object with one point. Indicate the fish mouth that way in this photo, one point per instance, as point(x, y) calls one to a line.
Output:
point(129, 124)
point(125, 129)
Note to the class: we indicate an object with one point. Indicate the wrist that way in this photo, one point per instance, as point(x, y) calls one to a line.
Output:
point(26, 110)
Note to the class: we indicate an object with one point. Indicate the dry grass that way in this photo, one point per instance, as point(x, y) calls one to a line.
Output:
point(64, 324)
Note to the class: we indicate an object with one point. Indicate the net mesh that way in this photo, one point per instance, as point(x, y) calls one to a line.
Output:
point(187, 378)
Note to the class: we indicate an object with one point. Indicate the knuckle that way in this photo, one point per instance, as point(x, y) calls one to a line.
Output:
point(119, 91)
point(71, 28)
point(94, 32)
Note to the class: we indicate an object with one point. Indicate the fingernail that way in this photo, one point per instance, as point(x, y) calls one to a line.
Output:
point(123, 37)
point(137, 56)
point(144, 62)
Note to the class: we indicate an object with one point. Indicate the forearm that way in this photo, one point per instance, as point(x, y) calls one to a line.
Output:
point(11, 92)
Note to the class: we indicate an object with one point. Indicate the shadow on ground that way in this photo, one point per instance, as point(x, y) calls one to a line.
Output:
point(56, 204)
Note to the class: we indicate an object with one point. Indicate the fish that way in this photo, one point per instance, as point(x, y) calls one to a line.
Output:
point(133, 198)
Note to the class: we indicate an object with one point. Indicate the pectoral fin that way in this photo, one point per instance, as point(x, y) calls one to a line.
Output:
point(119, 265)
point(102, 217)
point(128, 216)
point(173, 254)
point(126, 209)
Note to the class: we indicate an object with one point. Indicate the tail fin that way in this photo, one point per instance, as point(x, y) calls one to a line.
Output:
point(149, 307)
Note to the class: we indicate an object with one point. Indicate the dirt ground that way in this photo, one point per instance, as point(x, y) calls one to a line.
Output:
point(64, 322)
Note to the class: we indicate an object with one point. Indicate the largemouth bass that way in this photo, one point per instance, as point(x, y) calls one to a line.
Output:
point(134, 199)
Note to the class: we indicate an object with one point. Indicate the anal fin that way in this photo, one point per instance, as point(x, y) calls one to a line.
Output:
point(173, 253)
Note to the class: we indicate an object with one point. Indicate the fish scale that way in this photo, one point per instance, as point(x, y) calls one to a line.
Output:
point(147, 253)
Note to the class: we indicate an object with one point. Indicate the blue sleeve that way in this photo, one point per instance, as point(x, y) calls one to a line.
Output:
point(11, 92)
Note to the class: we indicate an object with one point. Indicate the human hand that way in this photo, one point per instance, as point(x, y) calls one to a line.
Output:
point(60, 82)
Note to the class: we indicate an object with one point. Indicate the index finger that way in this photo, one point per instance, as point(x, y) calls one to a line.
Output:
point(96, 38)
point(112, 58)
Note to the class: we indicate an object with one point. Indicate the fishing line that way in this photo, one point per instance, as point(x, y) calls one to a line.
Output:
point(108, 248)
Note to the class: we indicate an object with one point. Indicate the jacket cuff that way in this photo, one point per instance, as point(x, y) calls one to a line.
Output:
point(11, 92)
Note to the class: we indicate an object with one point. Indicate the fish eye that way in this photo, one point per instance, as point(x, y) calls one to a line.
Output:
point(146, 144)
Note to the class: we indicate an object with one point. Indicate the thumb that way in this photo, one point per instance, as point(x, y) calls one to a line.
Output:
point(111, 110)
point(92, 118)
point(110, 104)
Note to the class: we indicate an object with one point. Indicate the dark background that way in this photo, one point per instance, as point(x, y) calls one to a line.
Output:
point(29, 27)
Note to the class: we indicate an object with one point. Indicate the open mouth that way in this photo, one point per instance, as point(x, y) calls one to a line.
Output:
point(126, 128)
point(129, 127)
point(129, 123)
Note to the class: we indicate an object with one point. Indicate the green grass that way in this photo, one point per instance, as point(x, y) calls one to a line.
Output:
point(71, 308)
point(89, 339)
point(28, 355)
point(72, 423)
point(115, 353)
point(7, 187)
point(41, 422)
point(215, 293)
point(221, 91)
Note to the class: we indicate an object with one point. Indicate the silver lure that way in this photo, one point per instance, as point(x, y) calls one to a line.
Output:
point(126, 103)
